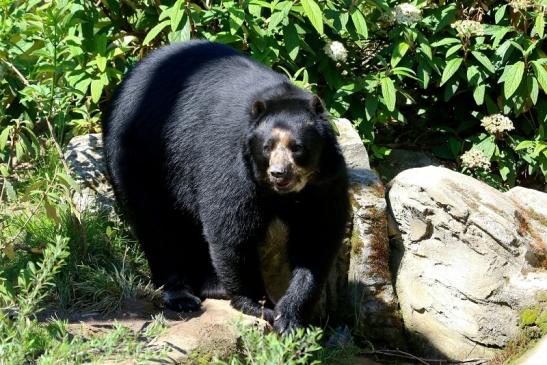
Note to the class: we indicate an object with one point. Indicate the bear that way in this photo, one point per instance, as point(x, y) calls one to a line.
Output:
point(205, 148)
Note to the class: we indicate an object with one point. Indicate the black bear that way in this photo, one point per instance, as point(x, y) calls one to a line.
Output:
point(205, 148)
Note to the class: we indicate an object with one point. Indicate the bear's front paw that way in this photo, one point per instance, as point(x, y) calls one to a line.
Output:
point(250, 307)
point(285, 323)
point(181, 300)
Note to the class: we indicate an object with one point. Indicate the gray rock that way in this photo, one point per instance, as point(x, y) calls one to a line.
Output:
point(533, 217)
point(399, 160)
point(370, 290)
point(84, 155)
point(190, 338)
point(466, 265)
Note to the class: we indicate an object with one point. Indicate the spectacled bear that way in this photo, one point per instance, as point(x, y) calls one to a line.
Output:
point(205, 148)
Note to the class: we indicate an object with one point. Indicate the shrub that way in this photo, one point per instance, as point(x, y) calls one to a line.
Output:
point(421, 74)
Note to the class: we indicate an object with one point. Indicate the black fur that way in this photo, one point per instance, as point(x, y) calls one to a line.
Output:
point(183, 145)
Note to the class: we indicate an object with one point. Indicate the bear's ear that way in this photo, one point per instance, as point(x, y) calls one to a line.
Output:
point(258, 109)
point(316, 105)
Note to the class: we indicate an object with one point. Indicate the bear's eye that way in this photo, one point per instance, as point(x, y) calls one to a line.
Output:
point(297, 147)
point(267, 148)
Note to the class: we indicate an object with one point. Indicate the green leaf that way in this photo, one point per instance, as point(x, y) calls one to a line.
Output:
point(275, 19)
point(533, 88)
point(101, 62)
point(405, 71)
point(313, 12)
point(96, 90)
point(371, 105)
point(500, 13)
point(524, 144)
point(4, 137)
point(513, 78)
point(451, 68)
point(478, 94)
point(541, 74)
point(539, 25)
point(153, 33)
point(10, 191)
point(176, 15)
point(68, 181)
point(426, 49)
point(484, 61)
point(473, 75)
point(399, 51)
point(487, 146)
point(455, 146)
point(359, 22)
point(255, 10)
point(51, 212)
point(445, 41)
point(453, 50)
point(292, 40)
point(388, 92)
point(423, 75)
point(451, 88)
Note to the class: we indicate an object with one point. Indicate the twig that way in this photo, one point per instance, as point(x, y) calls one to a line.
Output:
point(406, 355)
point(57, 145)
point(32, 213)
point(16, 71)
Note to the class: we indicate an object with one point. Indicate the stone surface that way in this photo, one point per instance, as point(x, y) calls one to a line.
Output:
point(210, 332)
point(370, 291)
point(399, 160)
point(534, 205)
point(84, 155)
point(468, 260)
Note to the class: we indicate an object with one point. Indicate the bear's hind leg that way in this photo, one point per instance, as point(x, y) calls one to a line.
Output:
point(171, 244)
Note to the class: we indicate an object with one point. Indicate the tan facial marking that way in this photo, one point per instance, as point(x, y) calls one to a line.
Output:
point(282, 136)
point(281, 154)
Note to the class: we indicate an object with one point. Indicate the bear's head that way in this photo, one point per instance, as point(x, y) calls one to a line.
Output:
point(292, 143)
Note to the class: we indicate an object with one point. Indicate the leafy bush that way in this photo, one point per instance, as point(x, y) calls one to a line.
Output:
point(300, 347)
point(420, 75)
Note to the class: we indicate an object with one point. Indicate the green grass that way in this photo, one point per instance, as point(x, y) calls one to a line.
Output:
point(54, 257)
point(304, 346)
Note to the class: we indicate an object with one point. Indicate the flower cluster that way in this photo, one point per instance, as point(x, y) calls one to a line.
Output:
point(520, 5)
point(475, 159)
point(468, 28)
point(497, 123)
point(336, 51)
point(407, 13)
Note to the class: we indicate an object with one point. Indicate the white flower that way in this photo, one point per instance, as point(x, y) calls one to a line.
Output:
point(474, 159)
point(336, 51)
point(497, 123)
point(407, 13)
point(468, 28)
point(520, 5)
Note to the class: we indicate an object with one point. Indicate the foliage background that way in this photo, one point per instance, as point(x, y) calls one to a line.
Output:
point(417, 84)
point(419, 75)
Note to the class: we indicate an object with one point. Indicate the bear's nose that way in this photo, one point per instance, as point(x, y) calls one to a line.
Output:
point(278, 171)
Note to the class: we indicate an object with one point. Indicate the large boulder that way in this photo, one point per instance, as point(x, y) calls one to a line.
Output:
point(468, 260)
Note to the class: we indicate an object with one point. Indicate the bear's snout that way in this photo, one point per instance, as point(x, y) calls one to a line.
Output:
point(280, 171)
